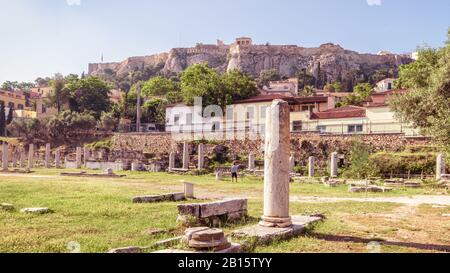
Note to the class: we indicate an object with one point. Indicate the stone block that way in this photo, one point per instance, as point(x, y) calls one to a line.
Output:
point(127, 250)
point(265, 235)
point(6, 207)
point(222, 207)
point(36, 210)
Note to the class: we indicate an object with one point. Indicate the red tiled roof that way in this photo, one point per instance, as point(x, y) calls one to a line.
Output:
point(264, 98)
point(390, 92)
point(343, 112)
point(290, 99)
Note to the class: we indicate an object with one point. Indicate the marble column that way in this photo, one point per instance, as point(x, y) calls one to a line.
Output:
point(311, 169)
point(22, 157)
point(188, 190)
point(186, 156)
point(78, 157)
point(86, 153)
point(201, 156)
point(276, 169)
point(251, 162)
point(334, 165)
point(47, 155)
point(57, 159)
point(291, 164)
point(5, 160)
point(31, 157)
point(440, 166)
point(14, 159)
point(171, 161)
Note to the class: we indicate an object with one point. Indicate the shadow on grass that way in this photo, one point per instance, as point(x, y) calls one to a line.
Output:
point(337, 238)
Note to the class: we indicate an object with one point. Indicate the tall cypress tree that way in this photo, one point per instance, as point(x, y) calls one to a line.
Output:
point(2, 119)
point(10, 117)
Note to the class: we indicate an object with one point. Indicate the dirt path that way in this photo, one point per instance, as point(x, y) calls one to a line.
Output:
point(410, 201)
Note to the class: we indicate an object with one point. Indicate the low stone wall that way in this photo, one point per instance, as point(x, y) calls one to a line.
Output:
point(303, 145)
point(97, 165)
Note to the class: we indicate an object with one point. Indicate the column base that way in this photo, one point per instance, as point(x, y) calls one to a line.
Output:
point(275, 222)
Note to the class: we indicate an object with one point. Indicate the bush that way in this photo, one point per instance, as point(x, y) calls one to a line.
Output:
point(104, 144)
point(403, 163)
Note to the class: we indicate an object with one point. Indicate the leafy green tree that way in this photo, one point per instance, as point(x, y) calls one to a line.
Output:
point(361, 93)
point(239, 85)
point(418, 74)
point(10, 116)
point(159, 86)
point(334, 87)
point(361, 167)
point(201, 81)
point(174, 97)
point(155, 111)
point(88, 94)
point(268, 75)
point(108, 121)
point(65, 123)
point(308, 91)
point(427, 104)
point(27, 129)
point(59, 96)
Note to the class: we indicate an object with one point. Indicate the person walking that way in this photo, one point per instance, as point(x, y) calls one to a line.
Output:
point(234, 172)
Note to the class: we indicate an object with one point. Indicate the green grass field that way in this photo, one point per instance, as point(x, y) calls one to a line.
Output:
point(98, 214)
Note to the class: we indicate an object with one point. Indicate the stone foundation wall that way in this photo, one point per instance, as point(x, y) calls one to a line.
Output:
point(303, 145)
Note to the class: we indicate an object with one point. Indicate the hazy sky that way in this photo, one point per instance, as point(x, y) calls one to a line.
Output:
point(42, 37)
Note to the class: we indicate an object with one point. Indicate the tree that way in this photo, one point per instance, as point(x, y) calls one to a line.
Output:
point(28, 129)
point(59, 95)
point(90, 94)
point(334, 87)
point(108, 121)
point(418, 74)
point(201, 81)
point(2, 119)
point(361, 93)
point(65, 123)
point(239, 85)
point(427, 104)
point(10, 117)
point(361, 167)
point(155, 111)
point(268, 75)
point(159, 86)
point(308, 91)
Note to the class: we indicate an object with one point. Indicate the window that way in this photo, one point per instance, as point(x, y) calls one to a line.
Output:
point(11, 105)
point(322, 129)
point(44, 109)
point(176, 120)
point(20, 106)
point(305, 108)
point(297, 126)
point(250, 113)
point(355, 129)
point(389, 86)
point(263, 112)
point(230, 113)
point(189, 119)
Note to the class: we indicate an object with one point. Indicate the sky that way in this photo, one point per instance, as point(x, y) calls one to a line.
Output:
point(39, 38)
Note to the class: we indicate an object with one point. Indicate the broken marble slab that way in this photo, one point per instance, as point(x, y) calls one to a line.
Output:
point(36, 210)
point(265, 235)
point(6, 207)
point(173, 197)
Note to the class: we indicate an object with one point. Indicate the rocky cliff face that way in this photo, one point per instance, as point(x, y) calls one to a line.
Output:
point(331, 60)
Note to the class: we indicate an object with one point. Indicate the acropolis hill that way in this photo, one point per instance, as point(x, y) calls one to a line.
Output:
point(334, 60)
